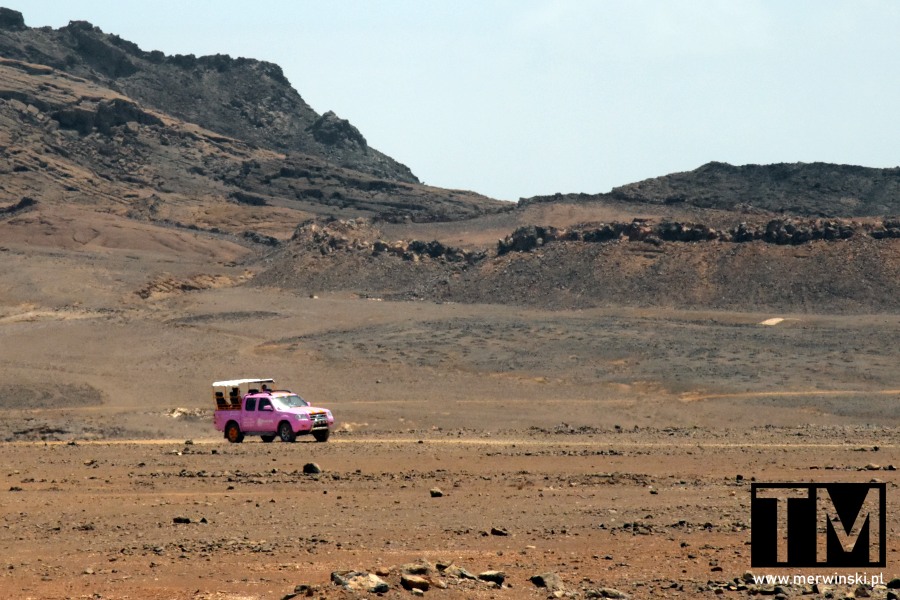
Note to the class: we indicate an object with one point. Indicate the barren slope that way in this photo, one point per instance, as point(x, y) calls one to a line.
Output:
point(239, 98)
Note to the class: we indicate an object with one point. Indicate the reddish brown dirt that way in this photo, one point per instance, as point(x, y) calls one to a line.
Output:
point(98, 519)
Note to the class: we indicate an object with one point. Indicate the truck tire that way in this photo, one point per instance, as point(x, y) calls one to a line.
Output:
point(233, 433)
point(286, 433)
point(322, 435)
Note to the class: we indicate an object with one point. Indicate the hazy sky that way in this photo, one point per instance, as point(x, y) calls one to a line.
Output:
point(514, 98)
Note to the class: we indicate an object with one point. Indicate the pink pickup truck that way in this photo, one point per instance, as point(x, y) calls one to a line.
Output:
point(250, 407)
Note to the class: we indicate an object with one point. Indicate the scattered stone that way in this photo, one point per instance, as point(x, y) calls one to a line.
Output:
point(499, 531)
point(360, 582)
point(606, 593)
point(311, 469)
point(458, 572)
point(872, 467)
point(436, 492)
point(497, 577)
point(181, 520)
point(861, 592)
point(418, 568)
point(414, 582)
point(551, 581)
point(894, 584)
point(302, 590)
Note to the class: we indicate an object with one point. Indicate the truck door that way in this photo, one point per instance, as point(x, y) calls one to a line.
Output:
point(266, 417)
point(248, 415)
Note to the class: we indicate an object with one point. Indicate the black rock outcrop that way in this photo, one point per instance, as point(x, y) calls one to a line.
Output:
point(11, 19)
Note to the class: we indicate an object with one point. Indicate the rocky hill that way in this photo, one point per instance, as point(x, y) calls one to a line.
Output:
point(212, 144)
point(814, 189)
point(240, 98)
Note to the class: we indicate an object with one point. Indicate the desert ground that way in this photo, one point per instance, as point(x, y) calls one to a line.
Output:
point(613, 447)
point(579, 417)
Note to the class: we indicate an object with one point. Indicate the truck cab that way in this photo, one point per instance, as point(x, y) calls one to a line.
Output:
point(253, 407)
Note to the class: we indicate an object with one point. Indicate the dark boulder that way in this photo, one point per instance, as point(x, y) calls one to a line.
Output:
point(604, 233)
point(525, 239)
point(744, 233)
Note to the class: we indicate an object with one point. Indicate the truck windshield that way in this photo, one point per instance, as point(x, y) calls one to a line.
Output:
point(292, 401)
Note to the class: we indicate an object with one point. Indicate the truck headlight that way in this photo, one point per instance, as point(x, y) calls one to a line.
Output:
point(302, 417)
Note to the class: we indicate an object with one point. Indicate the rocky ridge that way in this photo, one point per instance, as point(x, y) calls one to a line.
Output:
point(360, 236)
point(240, 98)
point(777, 231)
point(67, 140)
point(751, 266)
point(802, 189)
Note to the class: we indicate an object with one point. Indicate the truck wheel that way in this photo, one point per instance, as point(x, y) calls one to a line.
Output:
point(322, 435)
point(233, 433)
point(267, 438)
point(286, 433)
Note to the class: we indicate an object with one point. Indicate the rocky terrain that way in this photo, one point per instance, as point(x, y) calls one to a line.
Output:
point(554, 513)
point(239, 98)
point(89, 119)
point(563, 398)
point(98, 140)
point(782, 264)
point(805, 189)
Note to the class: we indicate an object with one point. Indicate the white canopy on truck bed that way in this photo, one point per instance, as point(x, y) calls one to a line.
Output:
point(239, 382)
